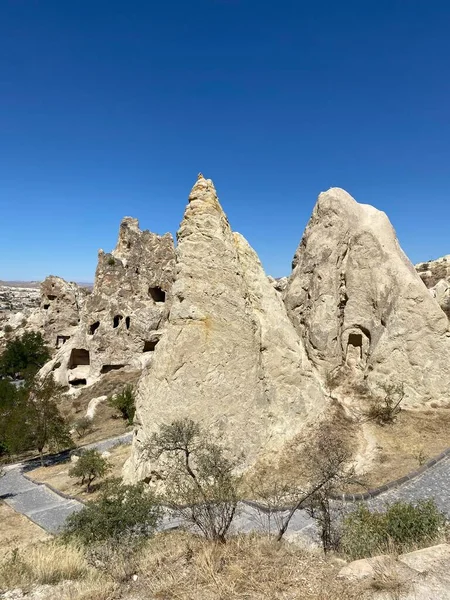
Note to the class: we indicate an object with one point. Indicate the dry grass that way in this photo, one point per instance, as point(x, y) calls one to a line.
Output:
point(58, 475)
point(249, 567)
point(16, 531)
point(403, 446)
point(44, 563)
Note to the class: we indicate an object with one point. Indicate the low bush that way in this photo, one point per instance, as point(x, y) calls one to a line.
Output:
point(124, 402)
point(401, 528)
point(122, 512)
point(83, 426)
point(385, 409)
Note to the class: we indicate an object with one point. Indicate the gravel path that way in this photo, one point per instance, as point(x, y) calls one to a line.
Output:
point(50, 509)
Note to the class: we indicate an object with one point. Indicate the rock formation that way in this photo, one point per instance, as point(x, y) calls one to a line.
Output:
point(360, 306)
point(229, 356)
point(120, 320)
point(436, 276)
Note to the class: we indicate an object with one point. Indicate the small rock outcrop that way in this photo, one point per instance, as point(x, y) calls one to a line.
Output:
point(359, 305)
point(229, 356)
point(419, 575)
point(436, 276)
point(120, 320)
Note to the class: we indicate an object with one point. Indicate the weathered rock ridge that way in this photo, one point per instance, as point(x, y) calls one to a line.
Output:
point(118, 325)
point(229, 356)
point(357, 302)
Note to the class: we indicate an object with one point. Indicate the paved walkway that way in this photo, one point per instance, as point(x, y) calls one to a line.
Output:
point(45, 507)
point(50, 509)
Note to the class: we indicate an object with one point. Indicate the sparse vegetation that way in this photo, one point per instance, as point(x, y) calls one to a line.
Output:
point(90, 466)
point(123, 512)
point(384, 409)
point(83, 426)
point(111, 261)
point(401, 528)
point(7, 328)
point(201, 487)
point(328, 471)
point(124, 402)
point(44, 563)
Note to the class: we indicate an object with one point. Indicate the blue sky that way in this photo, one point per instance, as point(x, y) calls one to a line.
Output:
point(111, 108)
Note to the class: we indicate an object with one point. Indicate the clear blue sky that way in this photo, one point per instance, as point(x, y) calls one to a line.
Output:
point(111, 108)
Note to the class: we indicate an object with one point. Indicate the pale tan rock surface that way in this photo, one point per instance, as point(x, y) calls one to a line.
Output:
point(229, 356)
point(436, 276)
point(120, 320)
point(358, 303)
point(420, 575)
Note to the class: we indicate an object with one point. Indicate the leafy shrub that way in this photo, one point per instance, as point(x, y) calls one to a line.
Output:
point(111, 261)
point(385, 409)
point(124, 402)
point(83, 426)
point(122, 512)
point(7, 329)
point(401, 528)
point(90, 466)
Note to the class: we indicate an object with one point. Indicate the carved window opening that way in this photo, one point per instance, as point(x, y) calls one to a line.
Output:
point(79, 357)
point(157, 294)
point(108, 368)
point(355, 340)
point(78, 382)
point(46, 306)
point(93, 328)
point(61, 340)
point(51, 297)
point(127, 322)
point(116, 321)
point(150, 345)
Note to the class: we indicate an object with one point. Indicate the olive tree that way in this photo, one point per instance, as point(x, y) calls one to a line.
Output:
point(202, 486)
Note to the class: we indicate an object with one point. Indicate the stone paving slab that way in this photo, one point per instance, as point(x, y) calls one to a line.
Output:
point(13, 482)
point(38, 498)
point(433, 483)
point(53, 519)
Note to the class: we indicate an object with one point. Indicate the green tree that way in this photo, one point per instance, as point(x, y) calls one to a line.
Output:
point(124, 402)
point(122, 511)
point(202, 486)
point(14, 433)
point(47, 428)
point(90, 466)
point(24, 356)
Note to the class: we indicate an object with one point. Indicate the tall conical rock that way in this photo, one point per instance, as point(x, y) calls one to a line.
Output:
point(358, 302)
point(229, 356)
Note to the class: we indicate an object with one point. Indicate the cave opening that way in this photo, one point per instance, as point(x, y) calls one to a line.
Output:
point(157, 294)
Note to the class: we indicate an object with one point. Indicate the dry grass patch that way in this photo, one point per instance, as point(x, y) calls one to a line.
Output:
point(58, 475)
point(45, 563)
point(250, 567)
point(403, 446)
point(16, 531)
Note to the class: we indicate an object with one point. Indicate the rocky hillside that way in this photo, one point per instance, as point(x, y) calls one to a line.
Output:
point(218, 341)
